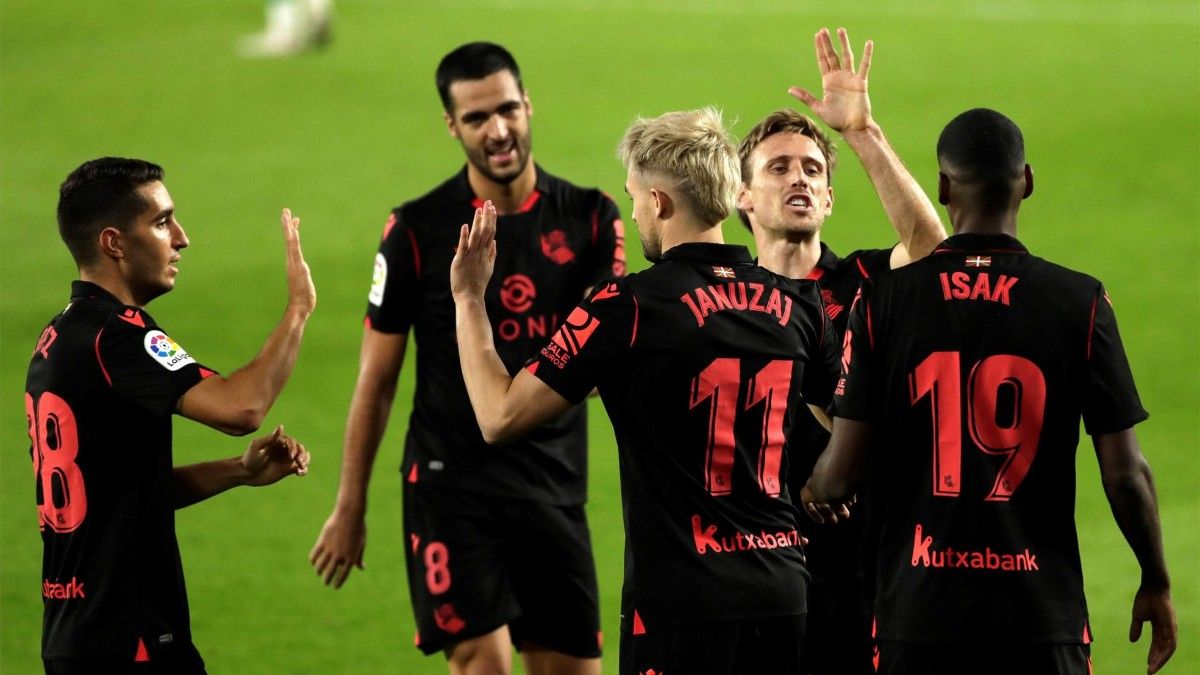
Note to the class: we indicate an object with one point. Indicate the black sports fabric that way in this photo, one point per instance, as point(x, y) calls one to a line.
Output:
point(839, 612)
point(701, 362)
point(102, 385)
point(832, 550)
point(563, 241)
point(976, 365)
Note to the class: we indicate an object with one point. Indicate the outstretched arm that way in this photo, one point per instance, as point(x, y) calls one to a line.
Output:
point(506, 407)
point(238, 403)
point(343, 539)
point(846, 108)
point(1129, 486)
point(267, 460)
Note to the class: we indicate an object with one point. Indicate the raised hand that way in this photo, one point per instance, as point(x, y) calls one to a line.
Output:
point(844, 105)
point(476, 255)
point(302, 295)
point(271, 458)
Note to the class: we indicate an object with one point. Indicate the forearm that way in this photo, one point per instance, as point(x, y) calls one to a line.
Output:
point(259, 383)
point(840, 466)
point(1134, 505)
point(826, 483)
point(365, 427)
point(907, 207)
point(484, 373)
point(237, 403)
point(197, 482)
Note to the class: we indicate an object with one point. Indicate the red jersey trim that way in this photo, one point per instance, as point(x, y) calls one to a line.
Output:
point(870, 328)
point(595, 225)
point(1091, 329)
point(963, 251)
point(416, 253)
point(100, 360)
point(862, 270)
point(525, 207)
point(141, 655)
point(638, 627)
point(633, 338)
point(815, 274)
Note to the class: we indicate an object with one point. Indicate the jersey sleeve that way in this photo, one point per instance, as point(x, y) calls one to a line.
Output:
point(1111, 401)
point(872, 262)
point(392, 301)
point(608, 235)
point(145, 365)
point(823, 367)
point(598, 331)
point(855, 395)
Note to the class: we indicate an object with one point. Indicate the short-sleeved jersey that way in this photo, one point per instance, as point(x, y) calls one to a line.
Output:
point(833, 551)
point(102, 385)
point(702, 362)
point(563, 240)
point(975, 365)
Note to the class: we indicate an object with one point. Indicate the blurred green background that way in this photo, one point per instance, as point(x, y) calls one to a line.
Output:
point(1107, 93)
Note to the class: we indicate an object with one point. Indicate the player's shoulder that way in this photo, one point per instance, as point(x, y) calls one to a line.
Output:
point(1063, 276)
point(866, 263)
point(435, 201)
point(567, 194)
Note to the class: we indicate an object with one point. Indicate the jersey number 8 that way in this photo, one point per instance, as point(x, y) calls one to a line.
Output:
point(62, 502)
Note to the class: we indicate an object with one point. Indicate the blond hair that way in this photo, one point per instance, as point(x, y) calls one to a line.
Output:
point(694, 152)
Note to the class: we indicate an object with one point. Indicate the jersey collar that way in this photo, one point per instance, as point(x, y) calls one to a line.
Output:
point(827, 262)
point(724, 254)
point(85, 289)
point(981, 243)
point(464, 193)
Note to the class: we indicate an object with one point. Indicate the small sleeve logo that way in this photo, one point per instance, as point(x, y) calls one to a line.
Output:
point(378, 280)
point(166, 351)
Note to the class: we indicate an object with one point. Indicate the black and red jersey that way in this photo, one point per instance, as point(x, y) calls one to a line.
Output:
point(563, 240)
point(975, 366)
point(702, 362)
point(833, 550)
point(102, 385)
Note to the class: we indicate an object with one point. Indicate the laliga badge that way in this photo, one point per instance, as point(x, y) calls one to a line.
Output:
point(165, 351)
point(378, 280)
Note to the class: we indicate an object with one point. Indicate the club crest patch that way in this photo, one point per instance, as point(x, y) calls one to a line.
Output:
point(166, 351)
point(378, 280)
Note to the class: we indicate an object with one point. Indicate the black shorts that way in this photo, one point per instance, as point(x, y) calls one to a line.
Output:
point(181, 661)
point(476, 563)
point(1044, 659)
point(752, 647)
point(838, 634)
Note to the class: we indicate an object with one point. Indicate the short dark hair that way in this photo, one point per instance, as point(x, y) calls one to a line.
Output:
point(982, 146)
point(473, 61)
point(785, 121)
point(100, 193)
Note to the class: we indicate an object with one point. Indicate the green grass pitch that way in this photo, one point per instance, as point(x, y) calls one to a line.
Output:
point(1106, 91)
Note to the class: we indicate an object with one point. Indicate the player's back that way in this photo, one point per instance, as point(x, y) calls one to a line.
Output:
point(102, 462)
point(983, 359)
point(719, 355)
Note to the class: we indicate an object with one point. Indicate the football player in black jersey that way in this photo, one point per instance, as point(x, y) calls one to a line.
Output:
point(499, 550)
point(970, 370)
point(702, 362)
point(787, 169)
point(103, 383)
